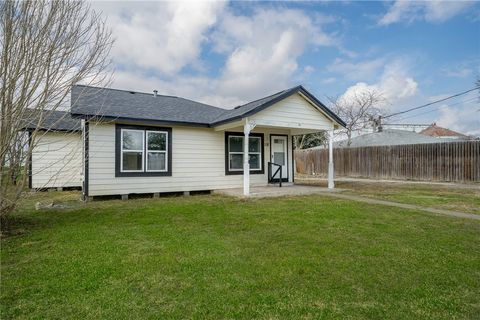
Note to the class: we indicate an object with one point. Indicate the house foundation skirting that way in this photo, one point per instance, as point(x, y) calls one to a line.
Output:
point(154, 195)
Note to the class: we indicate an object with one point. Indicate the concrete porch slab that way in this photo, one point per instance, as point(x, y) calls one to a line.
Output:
point(276, 191)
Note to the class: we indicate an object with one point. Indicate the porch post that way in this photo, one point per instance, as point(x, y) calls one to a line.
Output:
point(331, 184)
point(246, 165)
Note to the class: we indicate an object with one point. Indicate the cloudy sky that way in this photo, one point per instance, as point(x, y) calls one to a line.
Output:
point(228, 53)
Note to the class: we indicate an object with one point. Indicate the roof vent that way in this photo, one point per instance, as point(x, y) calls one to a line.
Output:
point(155, 92)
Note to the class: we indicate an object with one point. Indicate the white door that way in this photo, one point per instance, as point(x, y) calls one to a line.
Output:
point(279, 154)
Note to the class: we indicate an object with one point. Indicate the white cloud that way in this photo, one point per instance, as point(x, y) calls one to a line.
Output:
point(458, 73)
point(160, 43)
point(160, 36)
point(464, 118)
point(395, 84)
point(308, 69)
point(362, 70)
point(430, 11)
point(329, 80)
point(462, 69)
point(264, 49)
point(198, 88)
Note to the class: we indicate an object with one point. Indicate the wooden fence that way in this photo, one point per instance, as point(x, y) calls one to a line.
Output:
point(446, 161)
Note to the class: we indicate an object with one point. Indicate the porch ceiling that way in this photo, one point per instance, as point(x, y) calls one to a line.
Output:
point(295, 128)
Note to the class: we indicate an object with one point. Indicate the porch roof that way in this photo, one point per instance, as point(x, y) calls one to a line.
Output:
point(263, 103)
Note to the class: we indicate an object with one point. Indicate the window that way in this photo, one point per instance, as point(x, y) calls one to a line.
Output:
point(156, 151)
point(142, 151)
point(234, 153)
point(132, 151)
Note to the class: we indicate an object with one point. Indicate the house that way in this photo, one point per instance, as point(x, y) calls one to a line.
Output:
point(56, 160)
point(443, 133)
point(389, 137)
point(148, 143)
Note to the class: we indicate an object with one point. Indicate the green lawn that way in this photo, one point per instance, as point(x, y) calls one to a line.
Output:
point(215, 257)
point(464, 198)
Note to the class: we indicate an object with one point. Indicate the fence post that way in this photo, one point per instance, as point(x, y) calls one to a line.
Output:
point(331, 184)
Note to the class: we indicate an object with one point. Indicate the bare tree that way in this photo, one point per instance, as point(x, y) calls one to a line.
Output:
point(358, 110)
point(46, 48)
point(310, 140)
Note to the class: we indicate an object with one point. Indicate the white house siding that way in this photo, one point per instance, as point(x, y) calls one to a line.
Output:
point(198, 163)
point(57, 160)
point(294, 112)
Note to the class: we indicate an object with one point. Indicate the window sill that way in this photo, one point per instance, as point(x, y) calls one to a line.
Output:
point(231, 173)
point(143, 174)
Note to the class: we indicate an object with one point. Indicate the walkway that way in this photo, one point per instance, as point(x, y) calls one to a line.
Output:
point(457, 214)
point(474, 186)
point(300, 190)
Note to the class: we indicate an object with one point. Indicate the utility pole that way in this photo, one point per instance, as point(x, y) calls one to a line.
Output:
point(376, 123)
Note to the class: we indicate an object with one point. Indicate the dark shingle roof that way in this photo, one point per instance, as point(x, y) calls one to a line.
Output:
point(113, 103)
point(243, 110)
point(52, 121)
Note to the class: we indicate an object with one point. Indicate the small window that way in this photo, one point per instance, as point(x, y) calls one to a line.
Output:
point(142, 151)
point(254, 153)
point(234, 153)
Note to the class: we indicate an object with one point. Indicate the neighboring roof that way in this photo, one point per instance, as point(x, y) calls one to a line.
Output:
point(388, 137)
point(436, 131)
point(53, 121)
point(135, 106)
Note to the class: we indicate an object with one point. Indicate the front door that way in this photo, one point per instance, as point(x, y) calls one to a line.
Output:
point(279, 155)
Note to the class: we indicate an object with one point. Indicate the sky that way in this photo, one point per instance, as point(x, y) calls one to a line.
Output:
point(228, 53)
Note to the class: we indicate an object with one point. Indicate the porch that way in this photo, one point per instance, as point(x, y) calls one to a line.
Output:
point(289, 189)
point(270, 146)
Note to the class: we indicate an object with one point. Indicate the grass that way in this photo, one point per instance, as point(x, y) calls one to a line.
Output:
point(464, 198)
point(220, 258)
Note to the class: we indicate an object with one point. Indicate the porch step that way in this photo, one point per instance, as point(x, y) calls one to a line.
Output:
point(284, 184)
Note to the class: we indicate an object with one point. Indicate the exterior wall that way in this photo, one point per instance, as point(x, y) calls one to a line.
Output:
point(198, 162)
point(57, 160)
point(294, 112)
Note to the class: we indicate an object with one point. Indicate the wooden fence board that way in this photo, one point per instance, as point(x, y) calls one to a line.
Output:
point(446, 161)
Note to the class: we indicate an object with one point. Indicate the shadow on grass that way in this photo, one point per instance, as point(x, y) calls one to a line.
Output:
point(15, 225)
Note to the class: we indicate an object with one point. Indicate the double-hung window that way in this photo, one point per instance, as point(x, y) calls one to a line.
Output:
point(157, 156)
point(132, 150)
point(234, 154)
point(143, 151)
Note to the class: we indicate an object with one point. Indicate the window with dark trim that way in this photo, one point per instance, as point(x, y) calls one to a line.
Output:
point(142, 151)
point(234, 153)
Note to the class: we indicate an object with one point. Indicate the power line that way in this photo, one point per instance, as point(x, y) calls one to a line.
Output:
point(436, 108)
point(430, 103)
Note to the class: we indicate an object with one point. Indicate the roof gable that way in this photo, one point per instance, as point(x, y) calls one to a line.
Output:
point(294, 111)
point(263, 103)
